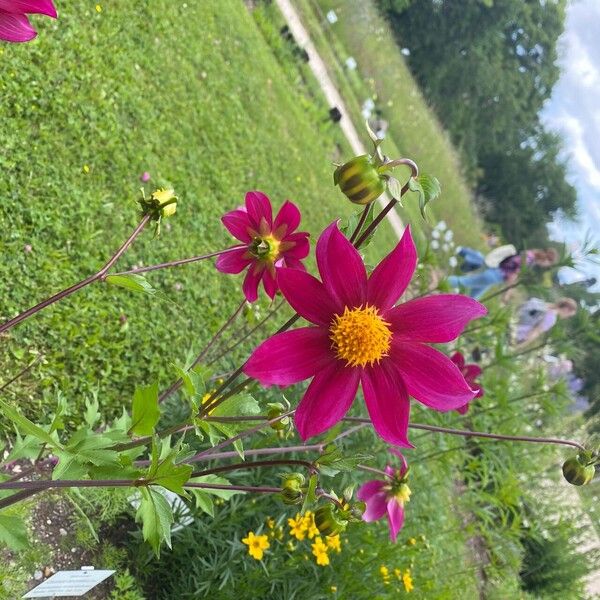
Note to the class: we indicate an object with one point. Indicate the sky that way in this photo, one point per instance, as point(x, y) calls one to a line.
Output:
point(573, 111)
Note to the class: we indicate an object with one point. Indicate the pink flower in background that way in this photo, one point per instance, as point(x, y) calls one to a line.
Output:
point(267, 243)
point(359, 336)
point(469, 372)
point(145, 177)
point(14, 24)
point(387, 496)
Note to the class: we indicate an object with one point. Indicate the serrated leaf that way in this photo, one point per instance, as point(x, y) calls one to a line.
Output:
point(164, 471)
point(91, 415)
point(156, 515)
point(215, 479)
point(27, 426)
point(69, 466)
point(238, 405)
point(132, 282)
point(13, 532)
point(145, 412)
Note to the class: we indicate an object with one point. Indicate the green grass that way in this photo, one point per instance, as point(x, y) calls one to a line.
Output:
point(189, 93)
point(382, 73)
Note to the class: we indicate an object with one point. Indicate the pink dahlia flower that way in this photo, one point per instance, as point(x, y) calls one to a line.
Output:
point(470, 372)
point(387, 496)
point(267, 243)
point(14, 24)
point(360, 337)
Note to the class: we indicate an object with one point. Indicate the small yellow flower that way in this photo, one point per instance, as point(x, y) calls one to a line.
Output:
point(297, 528)
point(407, 581)
point(309, 525)
point(270, 522)
point(257, 544)
point(290, 546)
point(411, 541)
point(98, 8)
point(319, 549)
point(334, 543)
point(398, 573)
point(333, 588)
point(86, 169)
point(385, 574)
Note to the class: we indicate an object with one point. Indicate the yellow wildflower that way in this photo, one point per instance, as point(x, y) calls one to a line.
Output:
point(297, 528)
point(333, 588)
point(86, 169)
point(319, 549)
point(407, 581)
point(98, 8)
point(257, 544)
point(398, 573)
point(309, 525)
point(334, 543)
point(385, 574)
point(270, 522)
point(411, 541)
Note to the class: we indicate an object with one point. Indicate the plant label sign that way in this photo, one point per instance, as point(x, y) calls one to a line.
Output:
point(69, 583)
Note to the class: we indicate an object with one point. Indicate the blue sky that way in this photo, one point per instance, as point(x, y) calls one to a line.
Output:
point(574, 112)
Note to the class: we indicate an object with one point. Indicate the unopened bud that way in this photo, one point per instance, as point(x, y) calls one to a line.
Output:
point(276, 409)
point(291, 488)
point(578, 470)
point(360, 180)
point(165, 201)
point(328, 519)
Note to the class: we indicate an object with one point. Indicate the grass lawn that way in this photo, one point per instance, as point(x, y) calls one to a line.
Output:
point(194, 96)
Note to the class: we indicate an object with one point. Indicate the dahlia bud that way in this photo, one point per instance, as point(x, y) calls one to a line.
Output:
point(329, 520)
point(276, 409)
point(291, 488)
point(578, 470)
point(360, 180)
point(166, 201)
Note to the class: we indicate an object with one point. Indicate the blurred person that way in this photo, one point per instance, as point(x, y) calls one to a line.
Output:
point(536, 317)
point(476, 284)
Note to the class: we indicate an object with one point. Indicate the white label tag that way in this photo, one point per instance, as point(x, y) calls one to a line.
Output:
point(68, 583)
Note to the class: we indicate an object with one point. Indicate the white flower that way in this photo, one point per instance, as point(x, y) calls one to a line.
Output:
point(435, 233)
point(442, 226)
point(435, 244)
point(449, 235)
point(453, 262)
point(445, 247)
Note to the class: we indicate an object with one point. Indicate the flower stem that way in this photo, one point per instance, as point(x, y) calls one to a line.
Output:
point(255, 452)
point(177, 384)
point(182, 261)
point(361, 222)
point(70, 290)
point(21, 372)
point(481, 434)
point(253, 465)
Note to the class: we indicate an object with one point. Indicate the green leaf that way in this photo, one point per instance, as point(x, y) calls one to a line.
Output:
point(215, 479)
point(310, 497)
point(395, 189)
point(164, 472)
point(91, 415)
point(333, 461)
point(203, 501)
point(132, 282)
point(13, 532)
point(427, 187)
point(156, 516)
point(240, 405)
point(146, 412)
point(28, 426)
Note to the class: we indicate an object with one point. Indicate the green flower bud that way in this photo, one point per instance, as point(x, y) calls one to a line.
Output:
point(328, 519)
point(165, 201)
point(292, 492)
point(577, 470)
point(360, 180)
point(276, 409)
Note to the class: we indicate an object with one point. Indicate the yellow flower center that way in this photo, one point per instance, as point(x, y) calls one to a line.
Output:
point(360, 336)
point(265, 248)
point(402, 494)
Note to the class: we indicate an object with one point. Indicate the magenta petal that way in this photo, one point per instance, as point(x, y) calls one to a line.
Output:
point(341, 267)
point(233, 262)
point(430, 376)
point(471, 371)
point(251, 281)
point(290, 357)
point(463, 410)
point(458, 359)
point(326, 400)
point(237, 223)
point(387, 401)
point(288, 219)
point(393, 274)
point(293, 263)
point(301, 246)
point(395, 518)
point(15, 28)
point(376, 505)
point(307, 296)
point(258, 206)
point(436, 319)
point(270, 283)
point(41, 7)
point(368, 489)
